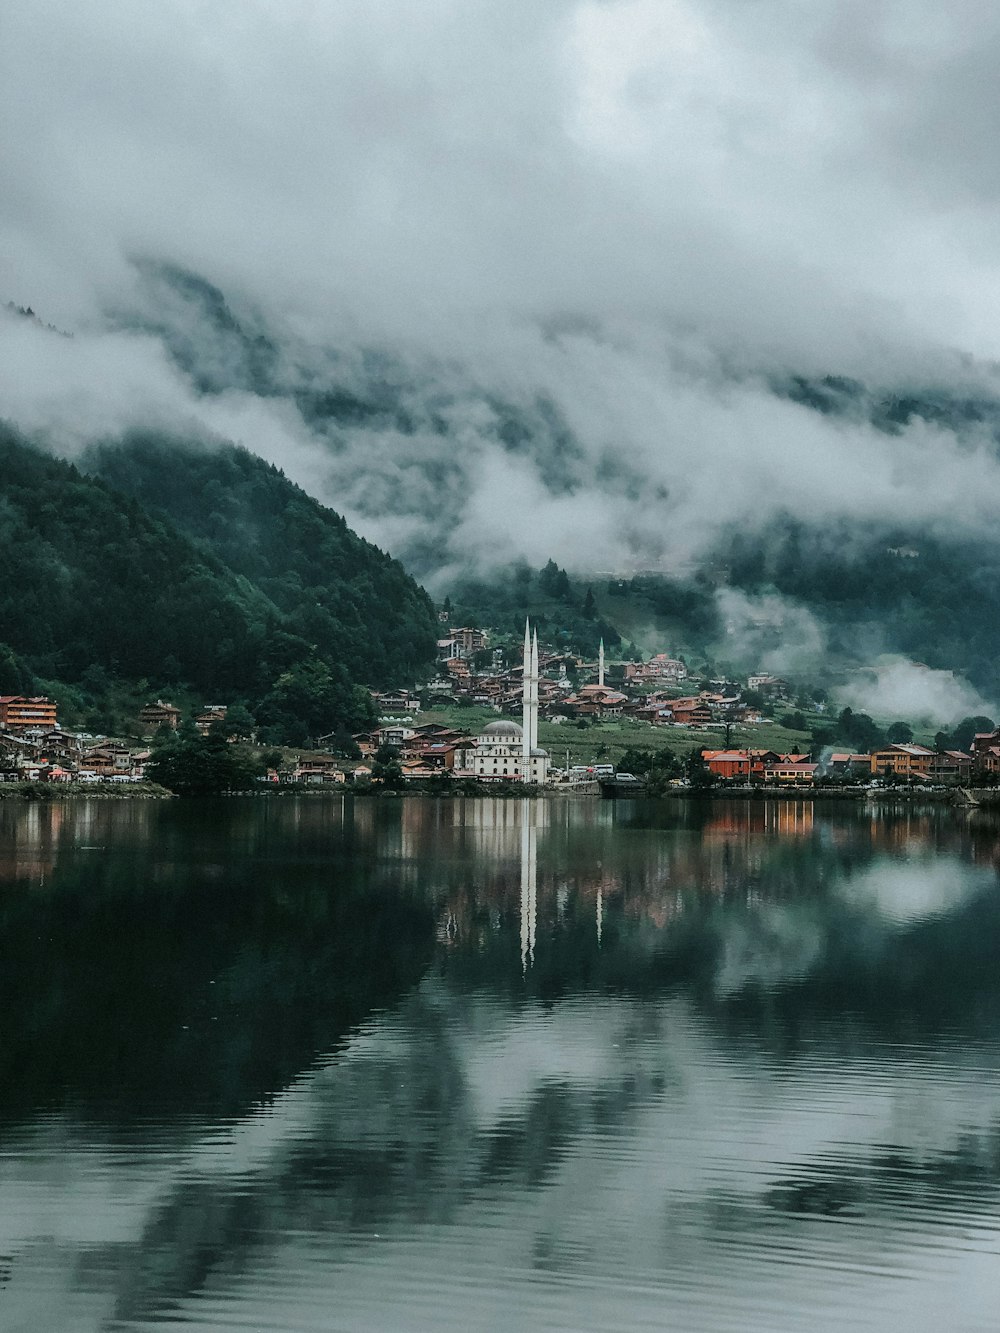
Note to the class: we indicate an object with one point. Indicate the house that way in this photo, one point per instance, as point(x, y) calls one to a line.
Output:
point(727, 763)
point(792, 769)
point(983, 743)
point(901, 761)
point(987, 760)
point(755, 765)
point(396, 736)
point(469, 641)
point(110, 759)
point(951, 766)
point(396, 701)
point(160, 714)
point(318, 768)
point(844, 764)
point(658, 668)
point(594, 701)
point(773, 686)
point(209, 715)
point(18, 713)
point(461, 644)
point(690, 712)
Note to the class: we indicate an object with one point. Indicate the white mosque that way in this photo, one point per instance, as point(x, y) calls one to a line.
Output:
point(505, 750)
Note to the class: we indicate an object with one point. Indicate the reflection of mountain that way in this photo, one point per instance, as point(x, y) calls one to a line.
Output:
point(157, 956)
point(786, 1074)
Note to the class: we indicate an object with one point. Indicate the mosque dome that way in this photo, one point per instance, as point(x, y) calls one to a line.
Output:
point(539, 754)
point(502, 729)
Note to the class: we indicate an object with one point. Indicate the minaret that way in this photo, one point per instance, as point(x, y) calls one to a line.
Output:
point(526, 706)
point(600, 665)
point(534, 692)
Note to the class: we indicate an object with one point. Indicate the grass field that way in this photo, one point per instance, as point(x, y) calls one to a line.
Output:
point(605, 742)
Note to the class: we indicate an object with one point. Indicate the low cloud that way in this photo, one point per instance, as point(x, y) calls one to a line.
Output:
point(561, 255)
point(769, 633)
point(896, 688)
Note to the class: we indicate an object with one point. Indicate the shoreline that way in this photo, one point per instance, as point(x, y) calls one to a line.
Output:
point(981, 797)
point(71, 791)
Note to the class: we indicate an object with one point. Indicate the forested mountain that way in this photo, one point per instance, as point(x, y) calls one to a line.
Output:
point(335, 591)
point(267, 597)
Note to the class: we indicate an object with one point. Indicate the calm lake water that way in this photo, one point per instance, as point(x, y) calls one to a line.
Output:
point(318, 1064)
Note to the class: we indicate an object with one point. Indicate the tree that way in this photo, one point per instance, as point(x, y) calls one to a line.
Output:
point(589, 605)
point(386, 767)
point(636, 761)
point(858, 730)
point(900, 733)
point(15, 678)
point(239, 722)
point(201, 765)
point(699, 774)
point(961, 737)
point(310, 699)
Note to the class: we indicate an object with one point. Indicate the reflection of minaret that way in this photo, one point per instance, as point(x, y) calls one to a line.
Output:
point(600, 665)
point(529, 892)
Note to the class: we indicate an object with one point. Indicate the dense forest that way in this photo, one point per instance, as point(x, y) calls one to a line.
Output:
point(228, 581)
point(563, 610)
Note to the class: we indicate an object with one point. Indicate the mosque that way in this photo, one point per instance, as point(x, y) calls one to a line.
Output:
point(506, 751)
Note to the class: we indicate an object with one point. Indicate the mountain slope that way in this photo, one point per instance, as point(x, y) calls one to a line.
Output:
point(336, 591)
point(266, 596)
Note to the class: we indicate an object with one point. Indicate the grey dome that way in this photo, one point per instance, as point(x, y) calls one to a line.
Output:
point(502, 729)
point(539, 754)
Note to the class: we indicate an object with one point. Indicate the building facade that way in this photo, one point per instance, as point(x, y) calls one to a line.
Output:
point(507, 752)
point(19, 713)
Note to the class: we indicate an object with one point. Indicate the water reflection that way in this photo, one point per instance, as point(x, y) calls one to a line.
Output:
point(498, 1064)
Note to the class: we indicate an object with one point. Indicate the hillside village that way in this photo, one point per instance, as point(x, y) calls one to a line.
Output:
point(561, 689)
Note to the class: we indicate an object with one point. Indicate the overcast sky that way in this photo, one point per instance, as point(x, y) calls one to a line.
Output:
point(771, 168)
point(636, 209)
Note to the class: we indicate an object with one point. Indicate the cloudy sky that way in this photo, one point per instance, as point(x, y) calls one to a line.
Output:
point(638, 212)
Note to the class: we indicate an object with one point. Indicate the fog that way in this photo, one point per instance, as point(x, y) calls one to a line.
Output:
point(897, 687)
point(618, 224)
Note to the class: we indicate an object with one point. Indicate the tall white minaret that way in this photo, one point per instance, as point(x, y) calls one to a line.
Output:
point(534, 692)
point(526, 744)
point(600, 665)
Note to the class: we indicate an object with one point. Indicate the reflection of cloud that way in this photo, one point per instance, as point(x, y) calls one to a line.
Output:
point(468, 1154)
point(899, 892)
point(767, 947)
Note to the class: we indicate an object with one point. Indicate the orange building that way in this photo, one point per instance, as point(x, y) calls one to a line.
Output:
point(901, 761)
point(19, 713)
point(727, 763)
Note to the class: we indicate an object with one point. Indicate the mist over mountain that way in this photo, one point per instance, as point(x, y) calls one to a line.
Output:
point(637, 286)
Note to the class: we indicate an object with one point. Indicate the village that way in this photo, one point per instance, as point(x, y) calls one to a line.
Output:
point(420, 738)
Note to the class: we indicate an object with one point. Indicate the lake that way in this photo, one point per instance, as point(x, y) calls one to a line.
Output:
point(327, 1063)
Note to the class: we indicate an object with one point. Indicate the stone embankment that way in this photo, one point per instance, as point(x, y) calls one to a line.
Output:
point(65, 791)
point(961, 796)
